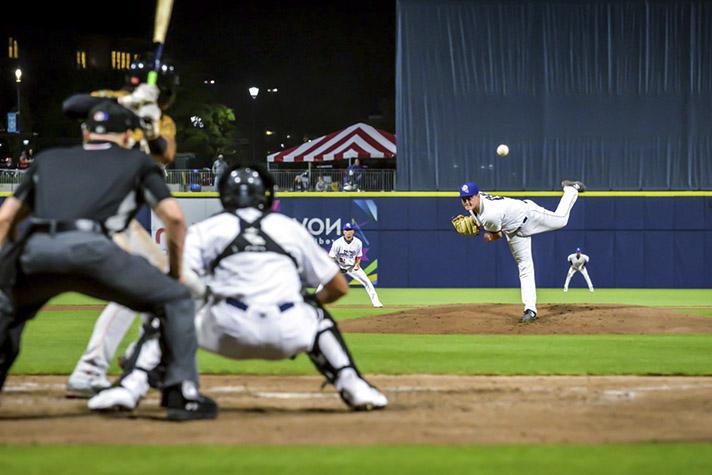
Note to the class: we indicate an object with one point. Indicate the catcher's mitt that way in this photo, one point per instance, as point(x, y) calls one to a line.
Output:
point(465, 225)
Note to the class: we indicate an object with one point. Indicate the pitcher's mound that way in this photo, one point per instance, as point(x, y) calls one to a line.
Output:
point(553, 319)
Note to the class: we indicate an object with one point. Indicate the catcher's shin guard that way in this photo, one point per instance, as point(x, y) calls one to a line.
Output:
point(330, 354)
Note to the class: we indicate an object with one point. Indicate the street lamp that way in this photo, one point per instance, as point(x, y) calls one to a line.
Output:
point(254, 91)
point(18, 80)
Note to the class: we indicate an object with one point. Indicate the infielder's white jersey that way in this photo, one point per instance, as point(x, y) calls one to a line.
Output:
point(577, 262)
point(257, 277)
point(345, 252)
point(498, 213)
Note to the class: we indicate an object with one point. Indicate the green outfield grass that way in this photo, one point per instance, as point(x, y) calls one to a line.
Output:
point(628, 459)
point(53, 341)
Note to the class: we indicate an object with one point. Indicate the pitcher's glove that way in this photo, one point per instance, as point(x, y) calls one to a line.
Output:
point(465, 225)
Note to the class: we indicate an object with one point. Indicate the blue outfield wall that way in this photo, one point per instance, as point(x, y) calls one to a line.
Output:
point(633, 241)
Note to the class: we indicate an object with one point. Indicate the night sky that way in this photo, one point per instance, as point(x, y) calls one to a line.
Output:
point(333, 61)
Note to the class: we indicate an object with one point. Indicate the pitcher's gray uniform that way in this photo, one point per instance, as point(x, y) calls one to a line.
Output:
point(577, 262)
point(256, 307)
point(347, 255)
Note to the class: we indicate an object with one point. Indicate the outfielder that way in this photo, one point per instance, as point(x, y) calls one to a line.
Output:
point(578, 262)
point(517, 221)
point(256, 264)
point(347, 252)
point(156, 136)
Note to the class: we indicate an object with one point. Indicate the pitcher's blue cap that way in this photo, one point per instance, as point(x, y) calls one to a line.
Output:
point(578, 249)
point(348, 227)
point(468, 189)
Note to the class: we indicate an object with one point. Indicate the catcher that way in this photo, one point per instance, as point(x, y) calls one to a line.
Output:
point(517, 221)
point(156, 136)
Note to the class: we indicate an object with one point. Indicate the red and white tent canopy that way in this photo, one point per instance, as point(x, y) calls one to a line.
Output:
point(356, 141)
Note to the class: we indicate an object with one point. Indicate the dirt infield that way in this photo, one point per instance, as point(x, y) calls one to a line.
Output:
point(553, 319)
point(424, 409)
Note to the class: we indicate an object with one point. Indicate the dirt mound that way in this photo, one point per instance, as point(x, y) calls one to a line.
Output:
point(553, 319)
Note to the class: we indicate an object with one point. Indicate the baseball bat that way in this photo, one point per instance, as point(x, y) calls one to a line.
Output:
point(164, 8)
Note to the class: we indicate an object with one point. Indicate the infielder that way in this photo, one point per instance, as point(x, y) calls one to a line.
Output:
point(157, 138)
point(578, 262)
point(255, 264)
point(347, 252)
point(517, 221)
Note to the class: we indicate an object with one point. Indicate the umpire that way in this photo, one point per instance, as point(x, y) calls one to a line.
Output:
point(78, 198)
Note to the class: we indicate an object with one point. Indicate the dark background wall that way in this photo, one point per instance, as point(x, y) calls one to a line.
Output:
point(617, 93)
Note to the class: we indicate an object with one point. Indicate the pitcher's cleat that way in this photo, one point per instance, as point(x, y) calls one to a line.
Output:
point(580, 187)
point(529, 316)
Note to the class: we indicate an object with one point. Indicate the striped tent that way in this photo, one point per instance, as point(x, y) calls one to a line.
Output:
point(356, 141)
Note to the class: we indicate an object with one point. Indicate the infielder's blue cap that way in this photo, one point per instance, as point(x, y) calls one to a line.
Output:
point(348, 227)
point(468, 189)
point(578, 249)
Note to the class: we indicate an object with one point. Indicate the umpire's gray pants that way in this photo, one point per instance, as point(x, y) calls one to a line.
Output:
point(92, 264)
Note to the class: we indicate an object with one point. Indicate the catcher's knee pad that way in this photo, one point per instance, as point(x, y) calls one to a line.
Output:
point(330, 354)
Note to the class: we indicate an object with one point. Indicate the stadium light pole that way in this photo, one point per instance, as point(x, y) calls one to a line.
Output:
point(254, 91)
point(18, 80)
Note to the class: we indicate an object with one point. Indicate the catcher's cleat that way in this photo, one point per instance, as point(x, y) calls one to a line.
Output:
point(183, 402)
point(529, 316)
point(113, 399)
point(580, 187)
point(358, 394)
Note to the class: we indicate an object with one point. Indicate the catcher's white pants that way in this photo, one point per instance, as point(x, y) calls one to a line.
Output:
point(260, 332)
point(539, 220)
point(583, 272)
point(115, 321)
point(361, 276)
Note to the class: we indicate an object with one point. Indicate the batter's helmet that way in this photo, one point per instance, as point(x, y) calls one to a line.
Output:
point(245, 187)
point(168, 79)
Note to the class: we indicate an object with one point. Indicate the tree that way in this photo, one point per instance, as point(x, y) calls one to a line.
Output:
point(206, 129)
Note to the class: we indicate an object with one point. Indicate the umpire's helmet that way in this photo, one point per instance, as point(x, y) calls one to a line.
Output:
point(168, 79)
point(244, 187)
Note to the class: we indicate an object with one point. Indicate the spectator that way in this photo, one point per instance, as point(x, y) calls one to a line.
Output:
point(320, 184)
point(352, 181)
point(6, 163)
point(219, 167)
point(301, 182)
point(25, 161)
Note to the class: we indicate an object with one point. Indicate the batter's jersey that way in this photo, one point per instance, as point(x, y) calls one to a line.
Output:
point(345, 252)
point(257, 277)
point(498, 213)
point(579, 262)
point(100, 181)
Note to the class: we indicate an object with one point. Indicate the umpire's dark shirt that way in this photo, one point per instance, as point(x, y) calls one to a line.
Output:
point(100, 181)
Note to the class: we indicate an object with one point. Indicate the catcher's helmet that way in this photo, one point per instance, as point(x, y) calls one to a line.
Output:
point(244, 187)
point(168, 79)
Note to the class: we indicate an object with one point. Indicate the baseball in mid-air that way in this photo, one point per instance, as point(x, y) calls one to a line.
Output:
point(502, 150)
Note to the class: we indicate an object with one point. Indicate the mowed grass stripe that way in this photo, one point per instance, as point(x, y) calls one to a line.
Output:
point(619, 459)
point(421, 297)
point(52, 344)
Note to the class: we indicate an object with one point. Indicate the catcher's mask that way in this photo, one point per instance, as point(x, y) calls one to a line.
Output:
point(168, 79)
point(245, 187)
